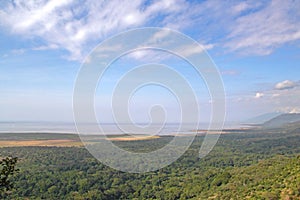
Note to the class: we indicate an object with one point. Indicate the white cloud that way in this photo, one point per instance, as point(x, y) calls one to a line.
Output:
point(149, 55)
point(45, 47)
point(262, 31)
point(295, 110)
point(156, 55)
point(230, 72)
point(275, 95)
point(287, 84)
point(190, 50)
point(284, 100)
point(38, 15)
point(158, 37)
point(140, 54)
point(77, 26)
point(240, 7)
point(289, 109)
point(259, 95)
point(270, 100)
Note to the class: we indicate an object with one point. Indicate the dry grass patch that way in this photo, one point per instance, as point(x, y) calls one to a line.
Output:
point(57, 143)
point(133, 138)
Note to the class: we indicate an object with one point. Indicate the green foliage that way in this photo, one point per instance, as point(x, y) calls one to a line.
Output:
point(7, 170)
point(247, 165)
point(221, 179)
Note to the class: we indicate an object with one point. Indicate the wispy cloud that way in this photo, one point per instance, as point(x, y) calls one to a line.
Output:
point(287, 84)
point(263, 30)
point(18, 51)
point(230, 72)
point(77, 26)
point(74, 25)
point(148, 55)
point(189, 50)
point(45, 47)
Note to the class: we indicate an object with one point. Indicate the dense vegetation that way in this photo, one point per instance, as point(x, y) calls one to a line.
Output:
point(249, 164)
point(7, 170)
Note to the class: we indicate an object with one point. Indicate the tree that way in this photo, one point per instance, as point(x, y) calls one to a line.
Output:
point(7, 170)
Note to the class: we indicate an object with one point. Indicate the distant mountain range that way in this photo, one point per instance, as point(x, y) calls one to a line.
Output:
point(283, 120)
point(276, 120)
point(260, 119)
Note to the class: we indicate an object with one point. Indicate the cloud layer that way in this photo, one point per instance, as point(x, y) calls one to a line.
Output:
point(269, 26)
point(77, 26)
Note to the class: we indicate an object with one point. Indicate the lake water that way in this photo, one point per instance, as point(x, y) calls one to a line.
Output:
point(107, 128)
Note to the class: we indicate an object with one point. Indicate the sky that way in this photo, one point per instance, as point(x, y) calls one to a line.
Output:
point(254, 44)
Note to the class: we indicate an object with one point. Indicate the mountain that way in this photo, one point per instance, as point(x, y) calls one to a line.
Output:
point(260, 119)
point(283, 120)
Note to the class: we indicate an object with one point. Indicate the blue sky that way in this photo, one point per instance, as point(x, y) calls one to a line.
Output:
point(255, 45)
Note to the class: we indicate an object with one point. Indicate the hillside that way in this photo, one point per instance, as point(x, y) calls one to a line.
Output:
point(275, 178)
point(260, 119)
point(282, 120)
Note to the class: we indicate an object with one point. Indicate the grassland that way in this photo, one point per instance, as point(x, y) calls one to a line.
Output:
point(59, 140)
point(57, 143)
point(39, 139)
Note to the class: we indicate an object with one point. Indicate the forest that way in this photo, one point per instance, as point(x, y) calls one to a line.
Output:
point(245, 164)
